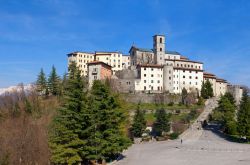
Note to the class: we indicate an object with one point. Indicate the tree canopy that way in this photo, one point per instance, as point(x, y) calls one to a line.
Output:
point(207, 90)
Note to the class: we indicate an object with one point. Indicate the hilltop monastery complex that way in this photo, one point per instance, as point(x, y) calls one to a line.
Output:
point(155, 70)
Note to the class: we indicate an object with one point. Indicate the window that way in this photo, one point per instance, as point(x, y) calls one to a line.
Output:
point(145, 87)
point(152, 81)
point(152, 88)
point(118, 66)
point(170, 72)
point(145, 75)
point(190, 83)
point(152, 75)
point(158, 81)
point(183, 76)
point(196, 77)
point(183, 82)
point(183, 71)
point(196, 83)
point(161, 40)
point(158, 88)
point(177, 65)
point(145, 68)
point(190, 71)
point(190, 77)
point(160, 49)
point(152, 69)
point(169, 78)
point(145, 81)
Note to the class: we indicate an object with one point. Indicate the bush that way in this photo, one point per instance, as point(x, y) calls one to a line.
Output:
point(171, 104)
point(231, 128)
point(174, 135)
point(200, 101)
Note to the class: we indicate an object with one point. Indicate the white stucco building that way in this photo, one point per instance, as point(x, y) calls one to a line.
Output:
point(155, 70)
point(150, 78)
point(178, 72)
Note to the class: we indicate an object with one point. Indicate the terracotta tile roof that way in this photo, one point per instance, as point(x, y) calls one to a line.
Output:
point(98, 62)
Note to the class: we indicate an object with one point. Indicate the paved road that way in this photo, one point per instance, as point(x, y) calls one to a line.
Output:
point(199, 147)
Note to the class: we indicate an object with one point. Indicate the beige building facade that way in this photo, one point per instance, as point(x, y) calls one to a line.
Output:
point(81, 59)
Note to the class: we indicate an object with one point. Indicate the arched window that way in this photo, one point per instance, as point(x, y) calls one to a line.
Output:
point(160, 49)
point(161, 40)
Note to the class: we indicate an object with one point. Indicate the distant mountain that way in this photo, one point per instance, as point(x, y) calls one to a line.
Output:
point(15, 88)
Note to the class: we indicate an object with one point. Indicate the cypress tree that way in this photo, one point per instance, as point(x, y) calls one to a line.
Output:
point(41, 83)
point(161, 124)
point(243, 116)
point(54, 82)
point(66, 136)
point(139, 122)
point(184, 95)
point(207, 90)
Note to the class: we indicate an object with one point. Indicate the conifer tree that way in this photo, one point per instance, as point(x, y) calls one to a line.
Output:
point(243, 116)
point(139, 122)
point(184, 95)
point(66, 141)
point(227, 115)
point(54, 82)
point(207, 90)
point(161, 124)
point(106, 138)
point(230, 97)
point(41, 83)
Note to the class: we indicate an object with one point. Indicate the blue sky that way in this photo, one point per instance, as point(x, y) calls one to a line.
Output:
point(36, 34)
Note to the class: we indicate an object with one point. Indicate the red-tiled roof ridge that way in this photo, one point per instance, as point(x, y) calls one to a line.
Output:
point(99, 62)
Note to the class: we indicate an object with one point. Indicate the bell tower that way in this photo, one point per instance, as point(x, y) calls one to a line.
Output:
point(159, 49)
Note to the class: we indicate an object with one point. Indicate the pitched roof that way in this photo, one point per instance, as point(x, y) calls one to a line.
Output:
point(98, 62)
point(151, 50)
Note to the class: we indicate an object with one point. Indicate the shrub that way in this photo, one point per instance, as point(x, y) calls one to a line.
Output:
point(171, 104)
point(174, 135)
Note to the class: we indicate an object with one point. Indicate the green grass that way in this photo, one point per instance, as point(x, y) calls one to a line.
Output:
point(150, 118)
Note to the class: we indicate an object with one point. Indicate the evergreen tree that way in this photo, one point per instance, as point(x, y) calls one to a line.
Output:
point(206, 90)
point(230, 98)
point(28, 107)
point(139, 122)
point(54, 82)
point(41, 83)
point(66, 136)
point(161, 124)
point(243, 116)
point(184, 95)
point(227, 115)
point(106, 139)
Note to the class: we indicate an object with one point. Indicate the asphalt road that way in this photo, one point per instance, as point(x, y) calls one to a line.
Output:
point(199, 147)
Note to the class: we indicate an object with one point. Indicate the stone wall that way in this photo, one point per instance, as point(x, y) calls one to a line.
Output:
point(151, 98)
